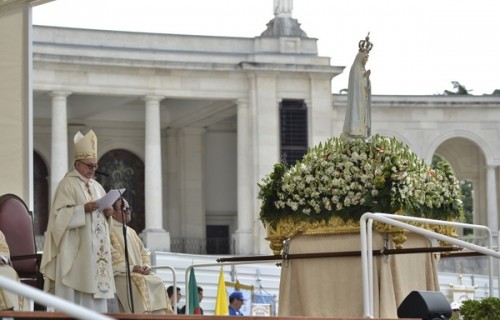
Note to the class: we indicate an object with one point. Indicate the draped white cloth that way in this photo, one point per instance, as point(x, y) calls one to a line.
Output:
point(332, 287)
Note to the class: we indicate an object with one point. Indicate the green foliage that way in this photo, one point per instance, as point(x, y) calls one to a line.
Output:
point(348, 178)
point(484, 309)
point(460, 89)
point(466, 187)
point(467, 190)
point(467, 196)
point(269, 193)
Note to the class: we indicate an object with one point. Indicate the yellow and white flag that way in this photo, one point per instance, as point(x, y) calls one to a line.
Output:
point(221, 304)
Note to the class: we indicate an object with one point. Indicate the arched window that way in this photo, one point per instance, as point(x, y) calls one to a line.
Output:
point(126, 170)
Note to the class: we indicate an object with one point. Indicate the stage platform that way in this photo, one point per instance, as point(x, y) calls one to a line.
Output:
point(122, 316)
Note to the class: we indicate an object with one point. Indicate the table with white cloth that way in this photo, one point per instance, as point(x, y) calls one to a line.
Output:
point(332, 287)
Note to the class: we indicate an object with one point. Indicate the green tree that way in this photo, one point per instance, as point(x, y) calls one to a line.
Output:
point(467, 198)
point(460, 89)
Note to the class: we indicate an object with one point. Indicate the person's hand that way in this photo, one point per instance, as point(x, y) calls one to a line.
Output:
point(108, 212)
point(142, 270)
point(4, 261)
point(146, 270)
point(367, 73)
point(90, 206)
point(137, 269)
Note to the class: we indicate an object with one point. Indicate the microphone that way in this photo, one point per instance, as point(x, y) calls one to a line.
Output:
point(102, 173)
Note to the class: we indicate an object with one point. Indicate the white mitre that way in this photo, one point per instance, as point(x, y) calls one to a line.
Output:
point(85, 146)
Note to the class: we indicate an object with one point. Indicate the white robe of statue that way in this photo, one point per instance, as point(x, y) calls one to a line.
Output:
point(357, 121)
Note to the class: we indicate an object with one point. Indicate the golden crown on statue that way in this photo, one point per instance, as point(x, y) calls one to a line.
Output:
point(365, 45)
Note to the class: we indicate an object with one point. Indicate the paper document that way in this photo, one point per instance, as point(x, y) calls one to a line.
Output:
point(110, 198)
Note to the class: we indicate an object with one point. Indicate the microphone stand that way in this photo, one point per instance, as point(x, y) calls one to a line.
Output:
point(127, 261)
point(124, 229)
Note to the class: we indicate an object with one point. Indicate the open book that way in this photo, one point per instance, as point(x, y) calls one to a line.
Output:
point(110, 198)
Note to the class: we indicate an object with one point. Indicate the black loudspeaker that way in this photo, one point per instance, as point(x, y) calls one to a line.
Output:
point(426, 305)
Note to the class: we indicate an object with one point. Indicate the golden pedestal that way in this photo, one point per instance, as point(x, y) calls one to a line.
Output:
point(288, 227)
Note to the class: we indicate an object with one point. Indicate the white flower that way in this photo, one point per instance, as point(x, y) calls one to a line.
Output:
point(337, 175)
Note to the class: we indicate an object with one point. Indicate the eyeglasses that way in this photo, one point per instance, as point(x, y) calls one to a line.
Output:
point(90, 165)
point(128, 210)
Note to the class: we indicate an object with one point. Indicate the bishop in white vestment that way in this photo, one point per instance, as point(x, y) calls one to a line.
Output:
point(76, 258)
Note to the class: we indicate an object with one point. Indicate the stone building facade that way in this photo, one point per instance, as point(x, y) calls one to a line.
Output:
point(191, 124)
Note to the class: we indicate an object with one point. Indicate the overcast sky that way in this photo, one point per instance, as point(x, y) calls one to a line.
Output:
point(420, 46)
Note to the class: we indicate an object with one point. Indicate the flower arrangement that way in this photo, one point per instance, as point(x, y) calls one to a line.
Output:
point(346, 178)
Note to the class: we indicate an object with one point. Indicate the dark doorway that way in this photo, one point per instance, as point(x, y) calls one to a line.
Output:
point(217, 239)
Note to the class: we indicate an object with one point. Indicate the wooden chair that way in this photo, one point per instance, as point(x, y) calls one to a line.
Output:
point(16, 223)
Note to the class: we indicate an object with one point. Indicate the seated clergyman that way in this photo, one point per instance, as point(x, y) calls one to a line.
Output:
point(148, 291)
point(9, 300)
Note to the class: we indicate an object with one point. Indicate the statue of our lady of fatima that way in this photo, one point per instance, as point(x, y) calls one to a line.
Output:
point(357, 123)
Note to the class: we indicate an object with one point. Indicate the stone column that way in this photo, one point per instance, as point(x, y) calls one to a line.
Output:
point(492, 195)
point(192, 197)
point(264, 119)
point(172, 183)
point(16, 107)
point(59, 154)
point(154, 236)
point(319, 109)
point(244, 244)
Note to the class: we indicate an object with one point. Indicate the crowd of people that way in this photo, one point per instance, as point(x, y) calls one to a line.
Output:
point(84, 258)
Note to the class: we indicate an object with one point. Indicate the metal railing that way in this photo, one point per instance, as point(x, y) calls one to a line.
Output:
point(65, 306)
point(174, 282)
point(218, 264)
point(366, 233)
point(47, 299)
